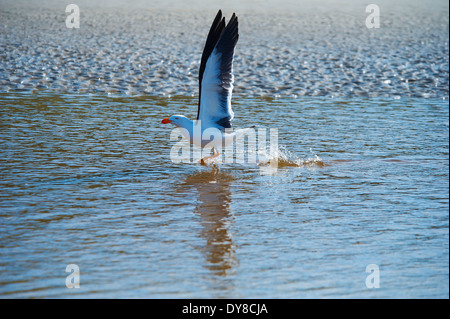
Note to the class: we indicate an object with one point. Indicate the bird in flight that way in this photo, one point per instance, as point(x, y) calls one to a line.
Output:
point(212, 128)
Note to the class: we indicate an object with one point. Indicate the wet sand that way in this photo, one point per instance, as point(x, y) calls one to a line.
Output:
point(285, 49)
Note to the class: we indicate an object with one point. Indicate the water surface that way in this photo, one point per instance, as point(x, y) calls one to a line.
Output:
point(286, 48)
point(87, 180)
point(86, 176)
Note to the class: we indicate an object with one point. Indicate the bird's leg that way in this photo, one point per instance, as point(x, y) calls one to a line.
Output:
point(215, 154)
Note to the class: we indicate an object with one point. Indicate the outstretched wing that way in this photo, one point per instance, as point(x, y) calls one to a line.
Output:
point(216, 73)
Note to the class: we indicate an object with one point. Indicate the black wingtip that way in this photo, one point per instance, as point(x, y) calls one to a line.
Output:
point(217, 30)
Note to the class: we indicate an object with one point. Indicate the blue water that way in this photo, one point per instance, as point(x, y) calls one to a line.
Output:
point(88, 180)
point(362, 174)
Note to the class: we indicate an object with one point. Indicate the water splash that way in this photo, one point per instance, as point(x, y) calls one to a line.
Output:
point(285, 158)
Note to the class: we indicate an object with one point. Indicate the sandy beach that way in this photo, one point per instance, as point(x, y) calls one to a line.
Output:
point(286, 48)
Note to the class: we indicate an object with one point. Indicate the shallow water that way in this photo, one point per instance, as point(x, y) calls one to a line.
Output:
point(88, 180)
point(286, 48)
point(86, 176)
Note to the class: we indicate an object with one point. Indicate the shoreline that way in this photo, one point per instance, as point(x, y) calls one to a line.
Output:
point(136, 51)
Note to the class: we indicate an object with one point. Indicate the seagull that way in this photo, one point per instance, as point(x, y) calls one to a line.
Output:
point(212, 128)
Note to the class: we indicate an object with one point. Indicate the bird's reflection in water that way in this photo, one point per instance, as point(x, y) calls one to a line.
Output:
point(213, 207)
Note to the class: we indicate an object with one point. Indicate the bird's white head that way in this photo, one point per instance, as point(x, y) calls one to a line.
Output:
point(178, 120)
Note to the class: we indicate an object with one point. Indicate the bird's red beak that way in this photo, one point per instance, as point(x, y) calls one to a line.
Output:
point(166, 121)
